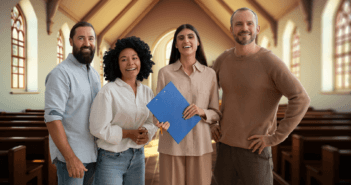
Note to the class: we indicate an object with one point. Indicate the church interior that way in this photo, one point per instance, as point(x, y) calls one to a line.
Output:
point(312, 37)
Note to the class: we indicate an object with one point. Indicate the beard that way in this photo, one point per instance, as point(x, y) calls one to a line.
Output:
point(83, 57)
point(245, 41)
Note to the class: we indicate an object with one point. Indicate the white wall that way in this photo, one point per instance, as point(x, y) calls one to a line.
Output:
point(311, 57)
point(46, 56)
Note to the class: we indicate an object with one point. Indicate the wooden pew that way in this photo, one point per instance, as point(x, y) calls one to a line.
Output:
point(278, 180)
point(37, 151)
point(334, 168)
point(24, 132)
point(305, 151)
point(322, 117)
point(15, 170)
point(325, 123)
point(26, 118)
point(34, 110)
point(312, 113)
point(22, 123)
point(305, 131)
point(21, 113)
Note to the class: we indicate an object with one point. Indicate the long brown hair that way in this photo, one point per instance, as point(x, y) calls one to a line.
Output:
point(200, 54)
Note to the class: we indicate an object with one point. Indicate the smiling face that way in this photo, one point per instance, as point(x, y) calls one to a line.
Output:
point(83, 43)
point(129, 64)
point(187, 42)
point(244, 27)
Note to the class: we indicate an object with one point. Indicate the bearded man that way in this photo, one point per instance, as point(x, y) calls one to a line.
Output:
point(253, 80)
point(70, 90)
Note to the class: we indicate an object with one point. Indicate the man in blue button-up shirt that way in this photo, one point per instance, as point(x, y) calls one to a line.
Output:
point(70, 90)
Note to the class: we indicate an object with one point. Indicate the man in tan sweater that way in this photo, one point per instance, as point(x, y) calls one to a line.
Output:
point(253, 80)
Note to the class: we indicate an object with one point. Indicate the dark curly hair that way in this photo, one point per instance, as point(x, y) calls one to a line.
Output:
point(200, 54)
point(111, 66)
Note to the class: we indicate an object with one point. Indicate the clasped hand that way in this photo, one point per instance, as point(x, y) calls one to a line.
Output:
point(139, 136)
point(193, 110)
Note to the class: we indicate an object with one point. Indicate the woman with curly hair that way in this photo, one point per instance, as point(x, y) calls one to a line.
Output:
point(119, 118)
point(190, 161)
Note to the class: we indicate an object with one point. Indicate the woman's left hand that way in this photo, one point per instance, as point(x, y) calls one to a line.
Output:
point(192, 110)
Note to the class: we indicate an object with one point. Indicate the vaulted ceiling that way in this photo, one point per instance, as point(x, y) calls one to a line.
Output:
point(114, 19)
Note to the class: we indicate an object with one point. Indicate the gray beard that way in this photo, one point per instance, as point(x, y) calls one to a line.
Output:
point(244, 42)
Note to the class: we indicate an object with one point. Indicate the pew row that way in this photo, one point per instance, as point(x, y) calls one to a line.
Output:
point(335, 167)
point(22, 123)
point(23, 131)
point(15, 170)
point(26, 118)
point(306, 151)
point(305, 131)
point(21, 113)
point(37, 151)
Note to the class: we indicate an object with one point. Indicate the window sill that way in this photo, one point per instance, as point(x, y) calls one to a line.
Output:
point(336, 93)
point(12, 92)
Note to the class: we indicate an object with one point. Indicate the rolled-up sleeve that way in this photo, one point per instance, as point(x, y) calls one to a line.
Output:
point(56, 95)
point(100, 120)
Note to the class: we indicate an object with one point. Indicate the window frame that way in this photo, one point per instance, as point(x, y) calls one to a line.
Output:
point(339, 41)
point(295, 67)
point(24, 58)
point(60, 56)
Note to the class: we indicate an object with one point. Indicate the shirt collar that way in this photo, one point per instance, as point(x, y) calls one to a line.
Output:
point(122, 83)
point(177, 65)
point(75, 61)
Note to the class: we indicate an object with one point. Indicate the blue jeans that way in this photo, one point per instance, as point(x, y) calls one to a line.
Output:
point(65, 179)
point(127, 167)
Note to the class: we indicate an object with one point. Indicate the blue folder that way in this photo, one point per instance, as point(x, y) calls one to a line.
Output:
point(169, 105)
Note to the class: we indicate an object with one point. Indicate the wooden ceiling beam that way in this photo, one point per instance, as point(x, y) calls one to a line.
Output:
point(51, 9)
point(226, 7)
point(112, 23)
point(273, 23)
point(137, 20)
point(94, 10)
point(214, 19)
point(306, 7)
point(68, 13)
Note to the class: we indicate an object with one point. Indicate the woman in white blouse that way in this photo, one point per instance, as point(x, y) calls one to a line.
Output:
point(119, 117)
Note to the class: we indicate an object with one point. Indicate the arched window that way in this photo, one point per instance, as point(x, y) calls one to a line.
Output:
point(60, 47)
point(18, 50)
point(343, 46)
point(168, 50)
point(295, 53)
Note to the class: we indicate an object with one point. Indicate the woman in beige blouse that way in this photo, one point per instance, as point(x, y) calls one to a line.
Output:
point(189, 162)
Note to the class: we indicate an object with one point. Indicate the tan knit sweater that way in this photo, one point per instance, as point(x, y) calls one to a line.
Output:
point(252, 88)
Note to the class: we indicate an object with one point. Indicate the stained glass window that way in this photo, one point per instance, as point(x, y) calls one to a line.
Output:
point(18, 50)
point(343, 46)
point(295, 53)
point(60, 47)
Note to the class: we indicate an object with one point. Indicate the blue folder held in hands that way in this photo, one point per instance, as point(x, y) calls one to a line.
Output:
point(169, 105)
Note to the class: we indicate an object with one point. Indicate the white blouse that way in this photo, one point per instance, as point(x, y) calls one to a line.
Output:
point(116, 107)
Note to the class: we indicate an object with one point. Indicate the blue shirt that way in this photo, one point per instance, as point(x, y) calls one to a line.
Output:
point(70, 91)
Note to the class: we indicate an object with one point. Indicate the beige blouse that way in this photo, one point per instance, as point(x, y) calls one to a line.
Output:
point(201, 89)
